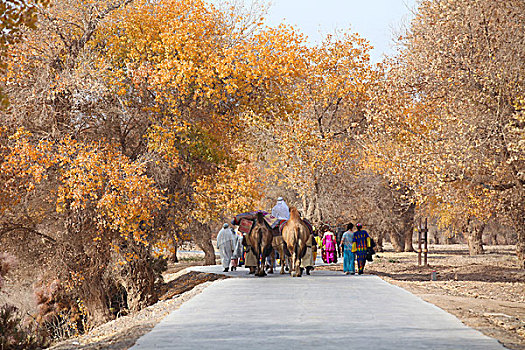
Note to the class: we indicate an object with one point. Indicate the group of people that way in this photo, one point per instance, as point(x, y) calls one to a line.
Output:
point(356, 246)
point(350, 245)
point(233, 251)
point(230, 248)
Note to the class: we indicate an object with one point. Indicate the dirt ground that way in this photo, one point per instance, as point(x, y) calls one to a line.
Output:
point(486, 292)
point(123, 332)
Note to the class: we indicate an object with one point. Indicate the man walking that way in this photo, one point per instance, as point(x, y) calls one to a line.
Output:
point(338, 237)
point(226, 246)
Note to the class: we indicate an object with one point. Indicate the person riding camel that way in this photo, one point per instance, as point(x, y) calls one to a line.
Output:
point(281, 210)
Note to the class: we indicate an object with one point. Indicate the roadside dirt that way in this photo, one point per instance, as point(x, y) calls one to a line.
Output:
point(486, 292)
point(123, 332)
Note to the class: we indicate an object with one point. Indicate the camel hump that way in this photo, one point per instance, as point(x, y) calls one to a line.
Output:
point(294, 213)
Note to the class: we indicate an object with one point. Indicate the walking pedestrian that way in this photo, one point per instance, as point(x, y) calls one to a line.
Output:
point(315, 245)
point(250, 260)
point(319, 243)
point(346, 246)
point(308, 260)
point(338, 236)
point(237, 251)
point(226, 246)
point(360, 244)
point(330, 246)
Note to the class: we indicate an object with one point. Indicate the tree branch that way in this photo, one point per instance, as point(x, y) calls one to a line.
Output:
point(7, 229)
point(497, 187)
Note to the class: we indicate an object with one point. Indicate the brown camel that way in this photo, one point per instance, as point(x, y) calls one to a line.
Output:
point(260, 240)
point(279, 246)
point(295, 234)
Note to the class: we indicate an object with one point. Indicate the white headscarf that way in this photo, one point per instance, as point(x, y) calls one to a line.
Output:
point(328, 233)
point(281, 210)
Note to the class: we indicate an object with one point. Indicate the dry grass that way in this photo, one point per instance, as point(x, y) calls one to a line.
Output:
point(486, 292)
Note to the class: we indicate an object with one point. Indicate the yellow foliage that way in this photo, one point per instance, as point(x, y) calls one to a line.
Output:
point(227, 193)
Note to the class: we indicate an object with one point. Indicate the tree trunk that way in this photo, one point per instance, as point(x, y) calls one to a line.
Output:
point(318, 210)
point(209, 252)
point(318, 213)
point(202, 236)
point(97, 304)
point(140, 277)
point(475, 234)
point(408, 240)
point(139, 283)
point(397, 241)
point(519, 225)
point(309, 209)
point(493, 238)
point(408, 227)
point(450, 240)
point(436, 237)
point(174, 245)
point(379, 243)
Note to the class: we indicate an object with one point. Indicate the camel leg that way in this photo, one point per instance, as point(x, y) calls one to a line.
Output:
point(291, 262)
point(298, 271)
point(261, 262)
point(262, 273)
point(293, 270)
point(259, 268)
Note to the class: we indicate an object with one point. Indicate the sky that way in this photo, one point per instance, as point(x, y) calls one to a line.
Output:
point(375, 20)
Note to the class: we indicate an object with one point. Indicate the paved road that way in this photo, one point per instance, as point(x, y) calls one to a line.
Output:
point(327, 310)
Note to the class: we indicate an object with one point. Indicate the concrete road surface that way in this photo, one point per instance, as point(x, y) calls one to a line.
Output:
point(327, 310)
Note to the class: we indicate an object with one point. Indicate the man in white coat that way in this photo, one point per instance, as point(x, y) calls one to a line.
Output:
point(281, 210)
point(226, 246)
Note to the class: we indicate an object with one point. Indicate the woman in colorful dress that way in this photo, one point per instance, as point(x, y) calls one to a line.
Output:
point(330, 247)
point(347, 242)
point(359, 247)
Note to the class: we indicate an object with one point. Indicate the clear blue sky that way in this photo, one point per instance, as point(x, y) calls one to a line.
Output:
point(375, 20)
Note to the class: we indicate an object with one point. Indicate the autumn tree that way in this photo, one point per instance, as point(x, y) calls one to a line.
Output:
point(316, 139)
point(69, 157)
point(206, 79)
point(15, 15)
point(452, 120)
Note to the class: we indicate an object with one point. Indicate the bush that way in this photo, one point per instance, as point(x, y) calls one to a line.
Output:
point(12, 335)
point(7, 262)
point(60, 313)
